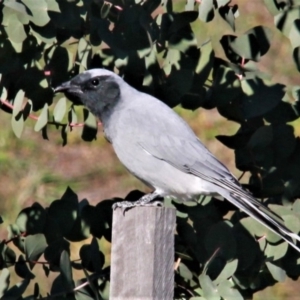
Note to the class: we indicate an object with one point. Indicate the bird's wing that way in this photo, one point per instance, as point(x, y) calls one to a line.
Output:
point(191, 156)
point(187, 155)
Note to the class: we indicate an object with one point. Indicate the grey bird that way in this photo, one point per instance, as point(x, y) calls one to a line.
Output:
point(158, 147)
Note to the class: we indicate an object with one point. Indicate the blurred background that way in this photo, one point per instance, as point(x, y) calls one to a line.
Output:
point(32, 170)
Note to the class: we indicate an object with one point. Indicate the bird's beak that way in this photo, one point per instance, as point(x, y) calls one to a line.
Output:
point(63, 87)
point(71, 91)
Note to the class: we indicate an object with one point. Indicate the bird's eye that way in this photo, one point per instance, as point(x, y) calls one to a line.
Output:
point(95, 82)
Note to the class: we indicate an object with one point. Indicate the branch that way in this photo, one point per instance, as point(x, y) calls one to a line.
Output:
point(34, 117)
point(77, 288)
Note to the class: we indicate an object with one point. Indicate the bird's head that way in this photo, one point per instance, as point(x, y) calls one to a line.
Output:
point(96, 89)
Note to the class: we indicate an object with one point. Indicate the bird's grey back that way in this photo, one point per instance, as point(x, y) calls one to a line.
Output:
point(144, 122)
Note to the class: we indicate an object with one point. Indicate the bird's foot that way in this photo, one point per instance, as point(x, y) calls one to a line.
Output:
point(146, 200)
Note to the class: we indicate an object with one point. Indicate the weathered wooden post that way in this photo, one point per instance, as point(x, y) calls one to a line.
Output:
point(142, 257)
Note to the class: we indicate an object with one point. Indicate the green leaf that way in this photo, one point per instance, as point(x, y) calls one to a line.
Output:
point(42, 119)
point(185, 272)
point(244, 46)
point(35, 246)
point(294, 34)
point(17, 120)
point(206, 11)
point(227, 291)
point(205, 62)
point(278, 273)
point(189, 5)
point(296, 206)
point(257, 230)
point(60, 109)
point(276, 252)
point(4, 281)
point(15, 30)
point(229, 13)
point(53, 6)
point(15, 6)
point(17, 126)
point(83, 295)
point(272, 6)
point(292, 222)
point(210, 291)
point(38, 11)
point(227, 271)
point(66, 271)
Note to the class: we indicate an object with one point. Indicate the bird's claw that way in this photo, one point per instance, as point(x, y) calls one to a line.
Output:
point(125, 205)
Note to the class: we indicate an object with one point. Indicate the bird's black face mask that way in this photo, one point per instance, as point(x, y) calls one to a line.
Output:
point(96, 93)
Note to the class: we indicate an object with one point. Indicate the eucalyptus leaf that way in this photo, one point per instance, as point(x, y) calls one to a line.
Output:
point(227, 290)
point(18, 102)
point(66, 271)
point(185, 272)
point(227, 272)
point(35, 246)
point(276, 252)
point(210, 291)
point(17, 126)
point(22, 269)
point(278, 273)
point(15, 30)
point(60, 109)
point(4, 281)
point(42, 119)
point(38, 11)
point(206, 11)
point(16, 6)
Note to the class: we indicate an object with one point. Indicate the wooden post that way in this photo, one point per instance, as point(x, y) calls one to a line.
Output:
point(142, 257)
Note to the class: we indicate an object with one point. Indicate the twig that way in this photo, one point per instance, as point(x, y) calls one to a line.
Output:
point(33, 117)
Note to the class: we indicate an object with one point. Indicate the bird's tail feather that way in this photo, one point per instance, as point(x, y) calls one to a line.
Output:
point(258, 211)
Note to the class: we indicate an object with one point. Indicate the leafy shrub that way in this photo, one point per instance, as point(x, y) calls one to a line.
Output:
point(167, 49)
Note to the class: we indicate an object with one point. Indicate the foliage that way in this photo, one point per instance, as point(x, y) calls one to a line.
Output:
point(166, 49)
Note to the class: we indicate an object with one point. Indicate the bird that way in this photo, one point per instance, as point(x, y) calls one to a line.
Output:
point(158, 147)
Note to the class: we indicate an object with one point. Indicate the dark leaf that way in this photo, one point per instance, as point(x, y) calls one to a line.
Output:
point(8, 256)
point(35, 246)
point(220, 238)
point(66, 271)
point(22, 269)
point(260, 97)
point(89, 132)
point(32, 219)
point(17, 290)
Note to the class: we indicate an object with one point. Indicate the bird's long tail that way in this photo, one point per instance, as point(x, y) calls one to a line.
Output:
point(258, 211)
